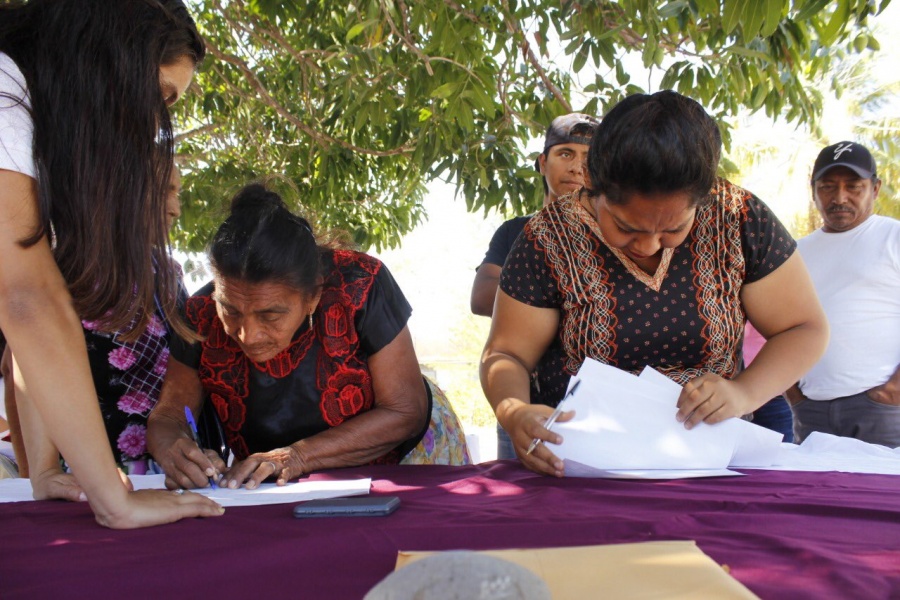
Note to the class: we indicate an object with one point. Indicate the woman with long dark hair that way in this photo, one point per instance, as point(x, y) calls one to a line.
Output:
point(86, 150)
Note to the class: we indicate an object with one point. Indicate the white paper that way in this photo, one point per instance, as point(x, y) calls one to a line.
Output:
point(19, 490)
point(627, 423)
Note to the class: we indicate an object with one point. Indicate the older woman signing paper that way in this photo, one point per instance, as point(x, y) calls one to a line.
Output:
point(658, 263)
point(306, 358)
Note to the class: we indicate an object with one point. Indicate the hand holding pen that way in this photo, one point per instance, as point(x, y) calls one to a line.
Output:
point(552, 418)
point(193, 425)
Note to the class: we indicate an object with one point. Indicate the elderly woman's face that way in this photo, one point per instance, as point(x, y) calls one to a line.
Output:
point(261, 317)
point(646, 224)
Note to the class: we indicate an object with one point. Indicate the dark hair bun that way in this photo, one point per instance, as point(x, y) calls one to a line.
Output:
point(256, 199)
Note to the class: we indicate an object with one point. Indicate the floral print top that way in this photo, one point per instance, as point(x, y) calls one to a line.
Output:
point(128, 377)
point(321, 379)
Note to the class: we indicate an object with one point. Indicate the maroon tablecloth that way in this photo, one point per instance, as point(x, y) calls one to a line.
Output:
point(783, 534)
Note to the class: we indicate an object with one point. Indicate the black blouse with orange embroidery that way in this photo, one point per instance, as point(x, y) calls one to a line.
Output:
point(321, 379)
point(685, 320)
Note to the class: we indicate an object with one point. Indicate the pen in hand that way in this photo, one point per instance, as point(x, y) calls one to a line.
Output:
point(552, 418)
point(193, 425)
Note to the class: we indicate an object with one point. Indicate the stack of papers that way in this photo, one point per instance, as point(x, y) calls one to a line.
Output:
point(625, 427)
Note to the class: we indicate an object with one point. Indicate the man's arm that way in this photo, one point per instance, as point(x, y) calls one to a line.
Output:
point(794, 395)
point(889, 391)
point(484, 289)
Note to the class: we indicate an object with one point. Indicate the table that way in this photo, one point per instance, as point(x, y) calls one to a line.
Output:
point(783, 534)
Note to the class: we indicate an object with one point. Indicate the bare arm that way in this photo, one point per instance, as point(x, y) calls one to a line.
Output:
point(889, 391)
point(169, 438)
point(12, 413)
point(784, 308)
point(400, 412)
point(520, 334)
point(47, 341)
point(484, 289)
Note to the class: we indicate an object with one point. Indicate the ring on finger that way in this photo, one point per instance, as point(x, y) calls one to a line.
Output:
point(178, 492)
point(275, 468)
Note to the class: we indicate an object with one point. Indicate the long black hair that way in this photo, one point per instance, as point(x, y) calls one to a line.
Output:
point(263, 241)
point(103, 145)
point(662, 142)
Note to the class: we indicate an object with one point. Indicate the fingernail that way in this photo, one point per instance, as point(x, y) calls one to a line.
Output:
point(82, 497)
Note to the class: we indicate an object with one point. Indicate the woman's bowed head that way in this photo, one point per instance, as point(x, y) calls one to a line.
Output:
point(659, 262)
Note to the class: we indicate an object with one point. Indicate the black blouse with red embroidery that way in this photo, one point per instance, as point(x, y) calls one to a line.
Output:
point(321, 379)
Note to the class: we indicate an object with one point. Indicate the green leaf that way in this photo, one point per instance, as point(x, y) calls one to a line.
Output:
point(708, 7)
point(743, 51)
point(837, 21)
point(810, 9)
point(446, 90)
point(731, 15)
point(355, 31)
point(752, 17)
point(580, 58)
point(774, 14)
point(672, 9)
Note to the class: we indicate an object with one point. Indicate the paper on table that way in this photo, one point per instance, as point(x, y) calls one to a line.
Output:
point(755, 446)
point(675, 570)
point(18, 490)
point(627, 423)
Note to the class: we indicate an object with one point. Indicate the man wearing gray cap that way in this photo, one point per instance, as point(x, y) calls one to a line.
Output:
point(854, 261)
point(562, 167)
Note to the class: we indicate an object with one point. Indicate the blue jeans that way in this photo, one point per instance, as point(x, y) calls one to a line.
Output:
point(776, 415)
point(505, 450)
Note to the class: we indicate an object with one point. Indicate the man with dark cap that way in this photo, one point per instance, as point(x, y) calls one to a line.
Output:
point(562, 166)
point(854, 261)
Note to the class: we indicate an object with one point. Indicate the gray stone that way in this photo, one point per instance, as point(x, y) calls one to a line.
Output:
point(461, 576)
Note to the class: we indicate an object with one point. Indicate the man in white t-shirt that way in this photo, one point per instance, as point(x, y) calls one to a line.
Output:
point(854, 261)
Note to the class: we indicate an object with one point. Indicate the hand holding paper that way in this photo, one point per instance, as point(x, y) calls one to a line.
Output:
point(625, 426)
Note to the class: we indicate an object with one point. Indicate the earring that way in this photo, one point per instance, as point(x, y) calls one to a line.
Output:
point(310, 320)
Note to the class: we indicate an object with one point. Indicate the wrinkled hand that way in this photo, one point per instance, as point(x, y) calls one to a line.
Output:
point(186, 465)
point(146, 508)
point(524, 423)
point(283, 463)
point(710, 399)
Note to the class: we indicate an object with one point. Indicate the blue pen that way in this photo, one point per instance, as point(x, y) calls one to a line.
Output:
point(193, 424)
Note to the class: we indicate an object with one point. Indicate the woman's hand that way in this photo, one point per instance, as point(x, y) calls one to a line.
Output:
point(146, 508)
point(54, 484)
point(283, 463)
point(183, 462)
point(711, 399)
point(524, 423)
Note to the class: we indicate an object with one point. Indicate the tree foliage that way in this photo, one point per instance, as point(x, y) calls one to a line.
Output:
point(357, 105)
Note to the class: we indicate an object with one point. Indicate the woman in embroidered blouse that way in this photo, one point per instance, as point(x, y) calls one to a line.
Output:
point(659, 264)
point(306, 358)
